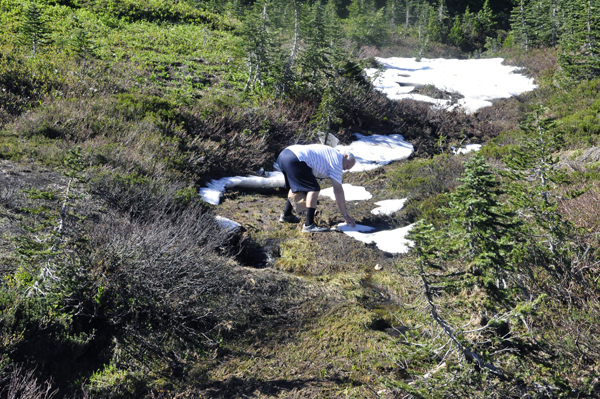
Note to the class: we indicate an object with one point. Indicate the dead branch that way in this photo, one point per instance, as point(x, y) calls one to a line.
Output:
point(468, 354)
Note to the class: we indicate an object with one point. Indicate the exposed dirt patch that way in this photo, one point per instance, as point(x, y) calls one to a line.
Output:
point(434, 92)
point(260, 242)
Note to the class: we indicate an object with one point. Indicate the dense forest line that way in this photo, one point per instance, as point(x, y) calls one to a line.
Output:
point(118, 281)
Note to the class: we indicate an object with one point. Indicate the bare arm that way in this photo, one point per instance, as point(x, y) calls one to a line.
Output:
point(340, 199)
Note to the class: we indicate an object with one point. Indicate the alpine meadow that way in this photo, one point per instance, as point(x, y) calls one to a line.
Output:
point(117, 280)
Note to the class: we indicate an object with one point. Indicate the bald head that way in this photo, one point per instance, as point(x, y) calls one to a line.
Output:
point(349, 161)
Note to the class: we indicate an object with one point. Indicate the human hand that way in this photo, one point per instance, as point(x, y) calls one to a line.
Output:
point(349, 220)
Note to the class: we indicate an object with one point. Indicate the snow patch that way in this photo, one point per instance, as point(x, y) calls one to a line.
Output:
point(374, 151)
point(391, 241)
point(478, 80)
point(352, 193)
point(227, 224)
point(389, 207)
point(215, 188)
point(467, 149)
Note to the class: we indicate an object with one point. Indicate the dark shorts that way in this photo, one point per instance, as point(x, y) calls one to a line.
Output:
point(298, 175)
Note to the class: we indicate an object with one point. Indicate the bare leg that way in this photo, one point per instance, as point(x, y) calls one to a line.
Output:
point(311, 199)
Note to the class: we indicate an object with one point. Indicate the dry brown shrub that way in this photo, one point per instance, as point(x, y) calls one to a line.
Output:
point(241, 140)
point(21, 384)
point(537, 62)
point(368, 52)
point(583, 211)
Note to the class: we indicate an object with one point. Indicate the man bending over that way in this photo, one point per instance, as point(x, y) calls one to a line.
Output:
point(301, 166)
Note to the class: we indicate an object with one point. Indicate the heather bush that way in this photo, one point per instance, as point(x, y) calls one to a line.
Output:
point(578, 109)
point(423, 178)
point(26, 81)
point(159, 11)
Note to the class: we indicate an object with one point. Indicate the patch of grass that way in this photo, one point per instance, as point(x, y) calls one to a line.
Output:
point(297, 255)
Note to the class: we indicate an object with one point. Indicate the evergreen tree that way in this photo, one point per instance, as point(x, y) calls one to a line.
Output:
point(456, 35)
point(34, 29)
point(234, 8)
point(520, 29)
point(366, 24)
point(483, 225)
point(424, 11)
point(485, 21)
point(265, 59)
point(327, 117)
point(83, 47)
point(469, 27)
point(554, 25)
point(393, 11)
point(408, 13)
point(288, 75)
point(581, 45)
point(434, 26)
point(321, 50)
point(437, 22)
point(539, 19)
point(532, 169)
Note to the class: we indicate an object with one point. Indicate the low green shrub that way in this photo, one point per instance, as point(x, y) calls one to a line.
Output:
point(422, 178)
point(137, 106)
point(429, 209)
point(578, 109)
point(25, 81)
point(159, 11)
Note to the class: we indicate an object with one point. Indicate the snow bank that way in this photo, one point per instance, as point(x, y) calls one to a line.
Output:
point(227, 224)
point(467, 149)
point(374, 151)
point(215, 189)
point(479, 81)
point(391, 241)
point(388, 207)
point(352, 193)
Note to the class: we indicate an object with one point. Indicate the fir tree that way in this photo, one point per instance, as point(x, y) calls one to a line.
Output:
point(83, 47)
point(581, 45)
point(437, 22)
point(366, 24)
point(264, 57)
point(483, 224)
point(434, 27)
point(485, 21)
point(321, 47)
point(327, 116)
point(34, 30)
point(456, 35)
point(408, 13)
point(532, 169)
point(468, 27)
point(520, 29)
point(394, 14)
point(539, 18)
point(429, 258)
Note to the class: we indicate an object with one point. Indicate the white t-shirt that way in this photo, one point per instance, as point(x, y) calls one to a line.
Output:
point(324, 161)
